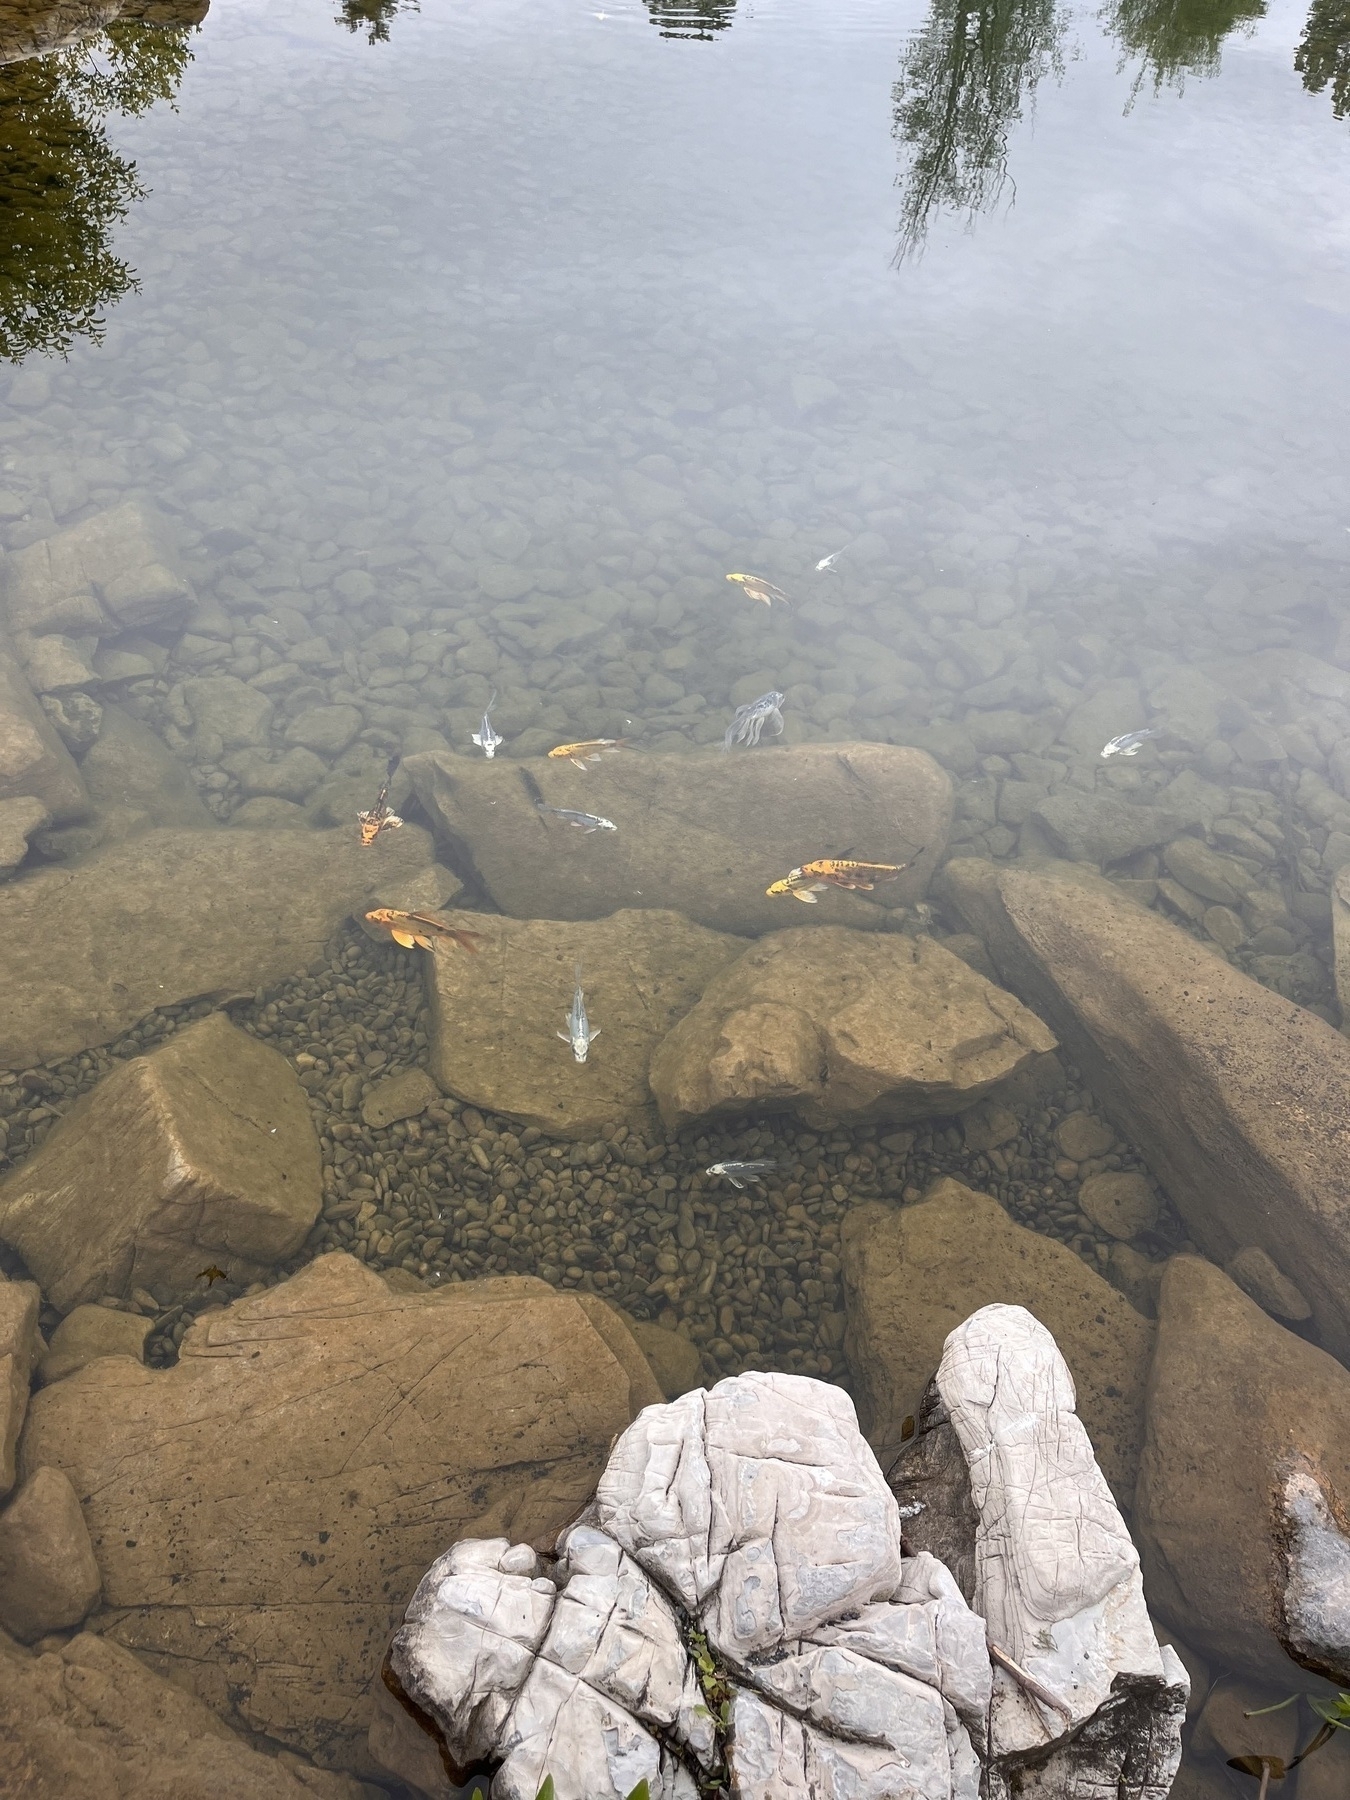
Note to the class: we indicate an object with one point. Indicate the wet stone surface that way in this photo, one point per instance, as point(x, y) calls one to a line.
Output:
point(752, 1278)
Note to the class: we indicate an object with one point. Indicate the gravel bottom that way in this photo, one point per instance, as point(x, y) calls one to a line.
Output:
point(751, 1277)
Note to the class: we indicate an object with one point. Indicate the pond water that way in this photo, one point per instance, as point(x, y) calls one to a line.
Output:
point(468, 351)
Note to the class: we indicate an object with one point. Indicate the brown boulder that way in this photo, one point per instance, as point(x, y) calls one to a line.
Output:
point(20, 1347)
point(702, 834)
point(914, 1273)
point(33, 760)
point(1244, 1483)
point(88, 1332)
point(843, 1026)
point(496, 1014)
point(114, 570)
point(1236, 1095)
point(49, 1580)
point(91, 1722)
point(201, 1152)
point(172, 915)
point(262, 1512)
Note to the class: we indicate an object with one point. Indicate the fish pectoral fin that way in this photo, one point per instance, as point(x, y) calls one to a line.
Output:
point(807, 896)
point(595, 1034)
point(405, 938)
point(566, 1036)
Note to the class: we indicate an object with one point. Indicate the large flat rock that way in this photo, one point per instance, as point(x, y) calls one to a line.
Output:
point(913, 1273)
point(262, 1512)
point(201, 1152)
point(495, 1015)
point(703, 834)
point(843, 1026)
point(170, 915)
point(1236, 1095)
point(113, 571)
point(91, 1722)
point(1244, 1484)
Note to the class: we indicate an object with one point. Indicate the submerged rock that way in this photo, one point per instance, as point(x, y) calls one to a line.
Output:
point(20, 1347)
point(840, 1027)
point(19, 819)
point(201, 1152)
point(88, 1332)
point(1055, 1574)
point(703, 835)
point(135, 781)
point(262, 1512)
point(91, 1722)
point(496, 1015)
point(33, 760)
point(1244, 1483)
point(49, 1580)
point(757, 1509)
point(170, 915)
point(912, 1274)
point(1236, 1095)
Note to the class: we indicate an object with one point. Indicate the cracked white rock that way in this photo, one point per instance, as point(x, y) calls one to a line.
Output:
point(758, 1514)
point(1056, 1574)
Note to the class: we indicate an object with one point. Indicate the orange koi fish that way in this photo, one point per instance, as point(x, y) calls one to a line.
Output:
point(827, 872)
point(379, 818)
point(409, 928)
point(757, 587)
point(588, 752)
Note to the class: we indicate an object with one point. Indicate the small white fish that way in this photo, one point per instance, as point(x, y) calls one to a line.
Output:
point(485, 737)
point(738, 1173)
point(1129, 743)
point(578, 1034)
point(581, 821)
point(826, 564)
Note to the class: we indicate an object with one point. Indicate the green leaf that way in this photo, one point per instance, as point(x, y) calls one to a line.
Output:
point(546, 1792)
point(1336, 1712)
point(641, 1791)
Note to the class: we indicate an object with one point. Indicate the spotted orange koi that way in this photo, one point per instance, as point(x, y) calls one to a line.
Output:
point(379, 818)
point(828, 872)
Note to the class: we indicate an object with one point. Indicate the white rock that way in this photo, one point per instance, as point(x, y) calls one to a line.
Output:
point(761, 1498)
point(1057, 1575)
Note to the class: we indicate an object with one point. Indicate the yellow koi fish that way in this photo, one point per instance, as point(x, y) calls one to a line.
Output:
point(588, 752)
point(756, 587)
point(409, 928)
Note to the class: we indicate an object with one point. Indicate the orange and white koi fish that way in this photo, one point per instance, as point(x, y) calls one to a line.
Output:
point(588, 752)
point(827, 872)
point(757, 587)
point(379, 818)
point(409, 928)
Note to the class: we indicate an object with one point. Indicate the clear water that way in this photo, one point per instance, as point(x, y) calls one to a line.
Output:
point(450, 319)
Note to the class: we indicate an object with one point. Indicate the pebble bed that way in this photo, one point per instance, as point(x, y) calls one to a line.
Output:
point(751, 1277)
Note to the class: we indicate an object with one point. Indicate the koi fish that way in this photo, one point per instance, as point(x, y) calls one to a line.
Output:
point(826, 564)
point(738, 1173)
point(835, 872)
point(409, 928)
point(379, 818)
point(582, 821)
point(485, 737)
point(211, 1275)
point(751, 719)
point(756, 587)
point(1129, 743)
point(578, 1034)
point(588, 752)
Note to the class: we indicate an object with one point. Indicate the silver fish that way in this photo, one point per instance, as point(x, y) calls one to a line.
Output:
point(826, 563)
point(1130, 742)
point(579, 1034)
point(485, 737)
point(738, 1173)
point(583, 821)
point(751, 719)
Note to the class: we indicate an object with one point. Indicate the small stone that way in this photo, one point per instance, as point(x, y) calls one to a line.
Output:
point(1258, 1275)
point(1133, 1275)
point(1081, 1136)
point(398, 1097)
point(1225, 927)
point(20, 1346)
point(49, 1579)
point(1120, 1203)
point(325, 729)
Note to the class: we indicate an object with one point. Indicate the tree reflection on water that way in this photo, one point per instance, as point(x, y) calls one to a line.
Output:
point(1176, 38)
point(373, 16)
point(63, 187)
point(1323, 56)
point(691, 18)
point(965, 79)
